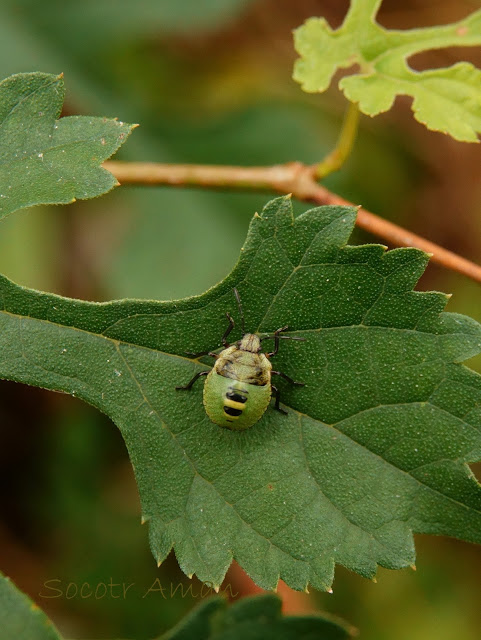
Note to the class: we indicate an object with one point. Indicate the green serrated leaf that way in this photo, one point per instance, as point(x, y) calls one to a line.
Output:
point(48, 161)
point(20, 618)
point(374, 447)
point(447, 100)
point(258, 617)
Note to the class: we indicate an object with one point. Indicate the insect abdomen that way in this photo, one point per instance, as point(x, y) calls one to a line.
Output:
point(234, 402)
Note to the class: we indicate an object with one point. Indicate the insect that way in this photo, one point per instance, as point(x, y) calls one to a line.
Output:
point(238, 388)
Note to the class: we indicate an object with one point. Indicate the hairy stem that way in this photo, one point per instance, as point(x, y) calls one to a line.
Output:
point(293, 177)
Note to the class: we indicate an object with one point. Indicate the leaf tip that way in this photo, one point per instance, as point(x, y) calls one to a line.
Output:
point(413, 567)
point(330, 590)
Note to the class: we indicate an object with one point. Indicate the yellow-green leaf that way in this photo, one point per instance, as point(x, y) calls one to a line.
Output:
point(447, 100)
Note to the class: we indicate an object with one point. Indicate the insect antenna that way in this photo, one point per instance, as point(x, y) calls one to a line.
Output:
point(278, 337)
point(241, 312)
point(282, 338)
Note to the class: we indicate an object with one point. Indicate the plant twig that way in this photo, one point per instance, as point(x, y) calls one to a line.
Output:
point(293, 177)
point(336, 158)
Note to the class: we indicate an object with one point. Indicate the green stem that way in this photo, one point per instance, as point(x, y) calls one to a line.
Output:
point(336, 158)
point(360, 12)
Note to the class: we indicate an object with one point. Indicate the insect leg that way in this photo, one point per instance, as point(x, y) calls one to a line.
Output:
point(286, 377)
point(189, 384)
point(228, 330)
point(277, 397)
point(276, 342)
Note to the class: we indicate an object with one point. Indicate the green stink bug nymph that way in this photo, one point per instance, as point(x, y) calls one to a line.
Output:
point(238, 388)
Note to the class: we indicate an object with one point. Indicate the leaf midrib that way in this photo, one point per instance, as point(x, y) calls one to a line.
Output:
point(44, 150)
point(176, 355)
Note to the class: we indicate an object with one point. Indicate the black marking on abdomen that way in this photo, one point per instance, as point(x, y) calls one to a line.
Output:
point(236, 395)
point(230, 411)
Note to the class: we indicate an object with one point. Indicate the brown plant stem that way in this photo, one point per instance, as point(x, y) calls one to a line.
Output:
point(295, 178)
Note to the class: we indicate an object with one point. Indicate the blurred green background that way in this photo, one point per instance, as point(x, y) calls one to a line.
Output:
point(210, 82)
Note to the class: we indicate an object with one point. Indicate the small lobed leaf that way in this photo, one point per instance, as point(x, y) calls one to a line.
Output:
point(447, 100)
point(44, 160)
point(375, 447)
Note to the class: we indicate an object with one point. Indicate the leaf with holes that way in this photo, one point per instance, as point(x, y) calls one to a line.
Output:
point(447, 100)
point(374, 447)
point(48, 161)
